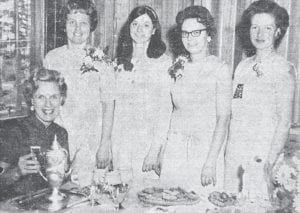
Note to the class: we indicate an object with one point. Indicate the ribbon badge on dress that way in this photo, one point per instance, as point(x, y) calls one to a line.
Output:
point(239, 91)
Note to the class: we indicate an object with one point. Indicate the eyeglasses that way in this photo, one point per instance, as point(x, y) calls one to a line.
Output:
point(194, 33)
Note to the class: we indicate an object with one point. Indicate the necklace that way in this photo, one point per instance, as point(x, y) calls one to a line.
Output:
point(256, 69)
point(258, 64)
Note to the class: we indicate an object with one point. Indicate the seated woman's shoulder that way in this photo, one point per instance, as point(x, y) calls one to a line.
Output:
point(11, 124)
point(15, 127)
point(60, 130)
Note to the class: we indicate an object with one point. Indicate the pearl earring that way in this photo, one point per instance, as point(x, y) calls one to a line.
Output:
point(32, 108)
point(208, 39)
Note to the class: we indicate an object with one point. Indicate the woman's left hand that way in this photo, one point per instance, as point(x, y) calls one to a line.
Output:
point(104, 156)
point(268, 170)
point(208, 174)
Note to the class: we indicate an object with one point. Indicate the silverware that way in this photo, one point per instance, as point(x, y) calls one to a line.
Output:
point(84, 200)
point(26, 198)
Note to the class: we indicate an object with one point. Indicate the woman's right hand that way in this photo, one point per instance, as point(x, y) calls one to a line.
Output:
point(149, 163)
point(28, 164)
point(152, 162)
point(104, 156)
point(208, 174)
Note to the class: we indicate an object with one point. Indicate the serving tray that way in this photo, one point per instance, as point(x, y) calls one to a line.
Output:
point(156, 196)
point(39, 201)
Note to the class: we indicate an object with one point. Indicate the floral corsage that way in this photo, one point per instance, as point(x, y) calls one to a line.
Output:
point(176, 70)
point(285, 174)
point(124, 65)
point(92, 55)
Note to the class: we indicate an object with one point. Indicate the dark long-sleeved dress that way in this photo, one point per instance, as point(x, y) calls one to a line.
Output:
point(16, 138)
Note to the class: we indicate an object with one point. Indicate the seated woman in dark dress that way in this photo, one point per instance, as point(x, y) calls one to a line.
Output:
point(44, 92)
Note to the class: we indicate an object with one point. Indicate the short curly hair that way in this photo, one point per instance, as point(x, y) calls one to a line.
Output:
point(262, 6)
point(156, 46)
point(85, 6)
point(202, 15)
point(30, 86)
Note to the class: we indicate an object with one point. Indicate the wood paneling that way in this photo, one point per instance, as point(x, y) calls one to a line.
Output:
point(226, 29)
point(37, 32)
point(54, 35)
point(113, 14)
point(227, 14)
point(293, 48)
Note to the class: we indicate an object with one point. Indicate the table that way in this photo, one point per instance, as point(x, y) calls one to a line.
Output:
point(132, 205)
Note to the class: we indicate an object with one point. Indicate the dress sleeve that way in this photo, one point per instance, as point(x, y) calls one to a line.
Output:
point(9, 145)
point(162, 103)
point(63, 138)
point(107, 84)
point(224, 89)
point(285, 83)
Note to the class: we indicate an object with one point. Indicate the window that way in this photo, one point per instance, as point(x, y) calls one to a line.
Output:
point(21, 49)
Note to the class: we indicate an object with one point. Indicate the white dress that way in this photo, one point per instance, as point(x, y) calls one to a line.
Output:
point(193, 123)
point(82, 112)
point(142, 115)
point(253, 123)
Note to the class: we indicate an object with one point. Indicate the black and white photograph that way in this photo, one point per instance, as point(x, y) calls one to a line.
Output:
point(150, 106)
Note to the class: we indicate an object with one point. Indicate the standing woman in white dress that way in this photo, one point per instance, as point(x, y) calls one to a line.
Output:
point(263, 92)
point(201, 94)
point(142, 99)
point(82, 113)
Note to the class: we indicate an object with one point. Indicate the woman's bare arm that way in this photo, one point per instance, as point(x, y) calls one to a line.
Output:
point(223, 110)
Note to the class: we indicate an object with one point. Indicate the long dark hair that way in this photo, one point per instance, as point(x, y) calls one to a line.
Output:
point(125, 47)
point(263, 6)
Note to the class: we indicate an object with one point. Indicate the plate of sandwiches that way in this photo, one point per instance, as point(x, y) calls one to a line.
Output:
point(167, 197)
point(222, 199)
